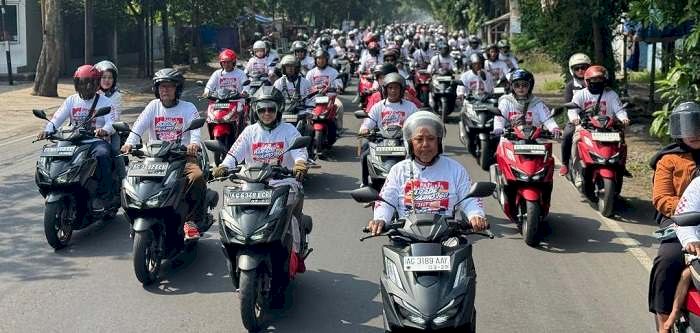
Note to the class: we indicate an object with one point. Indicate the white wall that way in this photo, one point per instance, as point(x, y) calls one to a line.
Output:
point(18, 50)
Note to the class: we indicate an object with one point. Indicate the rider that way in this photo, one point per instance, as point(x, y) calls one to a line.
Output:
point(109, 89)
point(596, 94)
point(390, 111)
point(442, 61)
point(370, 59)
point(78, 107)
point(476, 79)
point(325, 44)
point(228, 76)
point(423, 54)
point(325, 77)
point(164, 118)
point(513, 104)
point(441, 181)
point(675, 166)
point(301, 52)
point(473, 45)
point(498, 68)
point(292, 84)
point(578, 64)
point(506, 56)
point(264, 142)
point(261, 63)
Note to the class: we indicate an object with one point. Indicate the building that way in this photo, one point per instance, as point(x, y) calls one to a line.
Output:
point(23, 27)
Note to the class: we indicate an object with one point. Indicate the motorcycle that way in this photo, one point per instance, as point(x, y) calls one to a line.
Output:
point(444, 92)
point(475, 127)
point(364, 89)
point(602, 155)
point(227, 116)
point(153, 199)
point(354, 61)
point(257, 237)
point(385, 150)
point(422, 80)
point(689, 321)
point(342, 65)
point(429, 279)
point(254, 83)
point(64, 176)
point(324, 121)
point(523, 174)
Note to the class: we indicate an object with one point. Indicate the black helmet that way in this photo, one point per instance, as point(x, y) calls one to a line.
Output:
point(387, 68)
point(325, 41)
point(523, 75)
point(168, 75)
point(443, 48)
point(298, 46)
point(268, 97)
point(684, 121)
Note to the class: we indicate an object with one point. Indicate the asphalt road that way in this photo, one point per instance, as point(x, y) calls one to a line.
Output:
point(588, 276)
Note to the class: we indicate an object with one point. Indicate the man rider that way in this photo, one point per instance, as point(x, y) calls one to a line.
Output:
point(506, 56)
point(301, 52)
point(79, 107)
point(165, 118)
point(292, 84)
point(423, 54)
point(442, 61)
point(498, 68)
point(476, 80)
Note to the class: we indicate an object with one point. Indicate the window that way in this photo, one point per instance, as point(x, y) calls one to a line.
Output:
point(10, 20)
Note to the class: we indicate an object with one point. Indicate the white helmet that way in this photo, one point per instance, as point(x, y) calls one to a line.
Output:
point(423, 119)
point(260, 45)
point(578, 59)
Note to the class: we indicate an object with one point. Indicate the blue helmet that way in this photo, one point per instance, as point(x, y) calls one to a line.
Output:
point(523, 75)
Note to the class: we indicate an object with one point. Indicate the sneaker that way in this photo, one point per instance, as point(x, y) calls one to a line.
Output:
point(97, 205)
point(564, 170)
point(191, 230)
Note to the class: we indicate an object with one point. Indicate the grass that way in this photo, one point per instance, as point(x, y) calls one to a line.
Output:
point(643, 76)
point(553, 85)
point(539, 63)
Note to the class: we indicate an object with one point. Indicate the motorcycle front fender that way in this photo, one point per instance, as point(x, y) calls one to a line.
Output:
point(529, 193)
point(143, 224)
point(248, 261)
point(484, 136)
point(55, 196)
point(605, 172)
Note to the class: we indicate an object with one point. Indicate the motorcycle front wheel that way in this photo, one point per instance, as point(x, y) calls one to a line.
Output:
point(57, 223)
point(605, 188)
point(530, 218)
point(486, 155)
point(147, 257)
point(319, 141)
point(253, 299)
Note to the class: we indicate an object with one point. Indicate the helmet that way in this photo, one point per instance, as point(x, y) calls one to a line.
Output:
point(298, 46)
point(443, 48)
point(290, 60)
point(394, 78)
point(268, 97)
point(476, 58)
point(391, 52)
point(259, 45)
point(523, 75)
point(86, 81)
point(502, 44)
point(321, 53)
point(106, 65)
point(227, 55)
point(168, 75)
point(387, 68)
point(595, 71)
point(578, 59)
point(684, 121)
point(325, 40)
point(422, 119)
point(472, 39)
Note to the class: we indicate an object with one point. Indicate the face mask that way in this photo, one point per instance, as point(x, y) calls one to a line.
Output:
point(596, 88)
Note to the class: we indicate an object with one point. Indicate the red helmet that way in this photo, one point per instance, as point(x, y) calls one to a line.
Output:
point(87, 72)
point(227, 55)
point(595, 71)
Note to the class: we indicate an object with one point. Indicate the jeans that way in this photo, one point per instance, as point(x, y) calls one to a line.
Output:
point(119, 164)
point(102, 152)
point(195, 191)
point(566, 142)
point(364, 152)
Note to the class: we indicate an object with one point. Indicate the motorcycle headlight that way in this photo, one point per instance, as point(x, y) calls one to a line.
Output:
point(227, 220)
point(157, 199)
point(520, 175)
point(172, 177)
point(539, 175)
point(68, 175)
point(392, 272)
point(80, 157)
point(448, 311)
point(42, 166)
point(409, 312)
point(614, 159)
point(597, 158)
point(260, 233)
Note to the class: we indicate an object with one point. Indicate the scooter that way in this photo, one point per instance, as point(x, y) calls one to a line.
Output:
point(64, 176)
point(422, 81)
point(429, 279)
point(227, 116)
point(324, 122)
point(444, 90)
point(364, 89)
point(385, 150)
point(523, 174)
point(257, 236)
point(475, 127)
point(153, 199)
point(602, 155)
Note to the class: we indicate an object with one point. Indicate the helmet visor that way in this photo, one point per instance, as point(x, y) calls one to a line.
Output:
point(265, 106)
point(684, 125)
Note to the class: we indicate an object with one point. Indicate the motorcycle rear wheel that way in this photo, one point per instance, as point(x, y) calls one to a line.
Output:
point(146, 257)
point(57, 224)
point(531, 222)
point(485, 155)
point(605, 189)
point(253, 299)
point(319, 141)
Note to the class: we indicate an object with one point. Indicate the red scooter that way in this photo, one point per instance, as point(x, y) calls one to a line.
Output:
point(602, 155)
point(364, 89)
point(689, 320)
point(422, 80)
point(227, 113)
point(324, 121)
point(523, 174)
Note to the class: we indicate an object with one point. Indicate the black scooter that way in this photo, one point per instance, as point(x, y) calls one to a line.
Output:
point(257, 236)
point(429, 278)
point(386, 148)
point(64, 175)
point(153, 198)
point(444, 91)
point(475, 127)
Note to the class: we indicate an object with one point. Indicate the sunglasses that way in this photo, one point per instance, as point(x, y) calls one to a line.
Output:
point(267, 110)
point(521, 85)
point(580, 68)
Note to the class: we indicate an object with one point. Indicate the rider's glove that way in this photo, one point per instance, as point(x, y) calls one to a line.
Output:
point(220, 171)
point(300, 170)
point(497, 131)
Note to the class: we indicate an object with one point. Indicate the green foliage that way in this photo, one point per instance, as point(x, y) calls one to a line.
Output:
point(540, 63)
point(459, 14)
point(553, 85)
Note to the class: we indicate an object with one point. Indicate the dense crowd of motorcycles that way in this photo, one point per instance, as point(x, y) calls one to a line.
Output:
point(256, 218)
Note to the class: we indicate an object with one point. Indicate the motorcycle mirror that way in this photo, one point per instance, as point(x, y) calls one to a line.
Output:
point(103, 111)
point(121, 126)
point(365, 194)
point(300, 142)
point(200, 83)
point(215, 146)
point(360, 114)
point(41, 114)
point(195, 124)
point(481, 189)
point(246, 82)
point(687, 219)
point(458, 82)
point(571, 105)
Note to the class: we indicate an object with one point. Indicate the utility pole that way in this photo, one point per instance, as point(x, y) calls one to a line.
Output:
point(89, 14)
point(6, 36)
point(515, 25)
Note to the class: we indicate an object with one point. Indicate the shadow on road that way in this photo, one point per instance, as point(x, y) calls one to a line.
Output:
point(323, 185)
point(342, 154)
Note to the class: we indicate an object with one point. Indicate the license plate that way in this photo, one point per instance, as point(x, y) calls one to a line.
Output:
point(221, 105)
point(499, 90)
point(427, 263)
point(390, 150)
point(150, 169)
point(529, 149)
point(605, 136)
point(290, 118)
point(237, 197)
point(58, 151)
point(444, 78)
point(322, 99)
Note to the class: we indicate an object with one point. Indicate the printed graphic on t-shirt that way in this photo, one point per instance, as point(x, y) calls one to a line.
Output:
point(268, 152)
point(228, 83)
point(79, 114)
point(321, 81)
point(515, 115)
point(603, 108)
point(259, 67)
point(168, 128)
point(392, 117)
point(445, 65)
point(495, 72)
point(426, 196)
point(476, 85)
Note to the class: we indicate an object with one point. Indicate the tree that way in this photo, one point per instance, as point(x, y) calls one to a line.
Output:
point(51, 56)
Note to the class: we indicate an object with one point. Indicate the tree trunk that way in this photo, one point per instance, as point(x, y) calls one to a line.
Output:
point(167, 61)
point(89, 18)
point(49, 64)
point(598, 47)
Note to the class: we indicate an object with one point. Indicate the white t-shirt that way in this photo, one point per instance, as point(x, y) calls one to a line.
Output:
point(257, 145)
point(258, 66)
point(610, 104)
point(386, 114)
point(511, 110)
point(689, 202)
point(166, 124)
point(116, 99)
point(438, 62)
point(308, 63)
point(368, 62)
point(473, 82)
point(77, 110)
point(324, 78)
point(430, 189)
point(289, 88)
point(232, 80)
point(510, 60)
point(498, 69)
point(422, 57)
